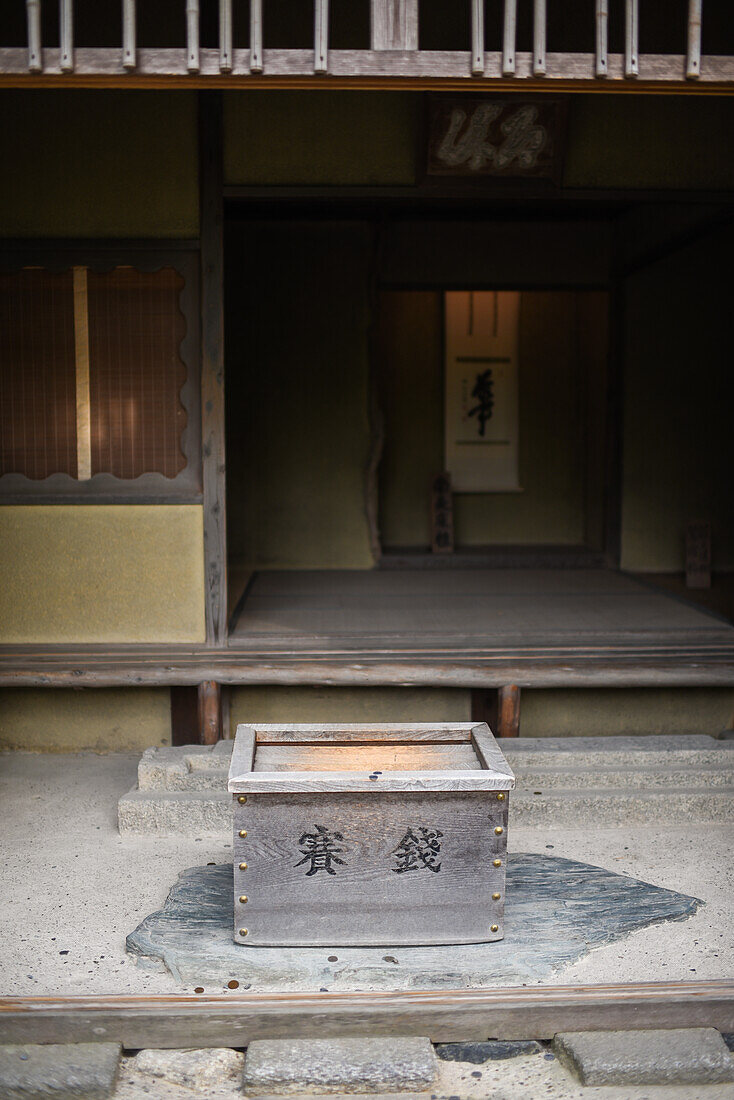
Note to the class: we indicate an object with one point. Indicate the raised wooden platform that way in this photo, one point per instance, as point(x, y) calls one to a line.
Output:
point(463, 628)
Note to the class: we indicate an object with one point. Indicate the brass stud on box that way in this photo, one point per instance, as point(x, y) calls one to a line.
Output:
point(243, 866)
point(501, 796)
point(494, 928)
point(243, 931)
point(243, 834)
point(499, 831)
point(243, 899)
point(495, 897)
point(242, 799)
point(496, 862)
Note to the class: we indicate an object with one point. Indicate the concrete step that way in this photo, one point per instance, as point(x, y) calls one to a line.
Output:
point(194, 813)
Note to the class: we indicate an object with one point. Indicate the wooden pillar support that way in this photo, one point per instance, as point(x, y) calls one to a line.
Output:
point(210, 712)
point(508, 721)
point(212, 366)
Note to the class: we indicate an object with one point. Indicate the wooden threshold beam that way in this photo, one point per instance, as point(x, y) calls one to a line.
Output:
point(96, 67)
point(449, 1015)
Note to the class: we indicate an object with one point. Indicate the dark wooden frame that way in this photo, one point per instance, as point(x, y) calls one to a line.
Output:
point(149, 488)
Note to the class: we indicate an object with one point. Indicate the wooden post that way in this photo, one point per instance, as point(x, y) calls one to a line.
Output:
point(508, 721)
point(321, 36)
point(256, 36)
point(192, 35)
point(225, 36)
point(212, 366)
point(394, 24)
point(539, 25)
point(508, 38)
point(210, 712)
point(477, 37)
point(66, 36)
point(693, 56)
point(33, 15)
point(631, 39)
point(602, 47)
point(129, 59)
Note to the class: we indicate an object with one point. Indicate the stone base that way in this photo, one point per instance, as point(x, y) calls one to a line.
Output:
point(683, 1056)
point(557, 911)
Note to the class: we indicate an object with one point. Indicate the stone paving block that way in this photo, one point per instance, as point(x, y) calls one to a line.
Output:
point(679, 1056)
point(208, 1068)
point(69, 1071)
point(327, 1066)
point(494, 1050)
point(175, 813)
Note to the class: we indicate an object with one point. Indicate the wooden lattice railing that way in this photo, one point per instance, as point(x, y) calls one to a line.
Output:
point(394, 55)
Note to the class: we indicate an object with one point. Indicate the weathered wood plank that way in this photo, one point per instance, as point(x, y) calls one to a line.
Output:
point(490, 754)
point(394, 24)
point(237, 1019)
point(362, 782)
point(312, 733)
point(363, 68)
point(366, 757)
point(243, 752)
point(363, 888)
point(212, 366)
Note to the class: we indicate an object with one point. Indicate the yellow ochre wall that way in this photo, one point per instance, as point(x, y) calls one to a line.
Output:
point(74, 720)
point(101, 573)
point(98, 164)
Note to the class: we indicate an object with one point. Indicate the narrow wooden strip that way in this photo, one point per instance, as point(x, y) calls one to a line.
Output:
point(602, 46)
point(225, 36)
point(210, 712)
point(243, 753)
point(313, 782)
point(66, 36)
point(477, 37)
point(321, 36)
point(490, 754)
point(81, 350)
point(256, 36)
point(631, 39)
point(129, 29)
point(508, 723)
point(693, 53)
point(509, 32)
point(193, 57)
point(235, 1020)
point(539, 37)
point(394, 24)
point(312, 733)
point(33, 16)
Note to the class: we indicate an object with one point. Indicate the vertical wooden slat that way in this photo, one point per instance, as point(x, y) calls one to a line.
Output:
point(129, 58)
point(256, 36)
point(693, 55)
point(81, 349)
point(66, 35)
point(321, 36)
point(602, 46)
point(33, 15)
point(210, 712)
point(508, 719)
point(394, 24)
point(192, 35)
point(539, 25)
point(225, 36)
point(508, 38)
point(477, 37)
point(631, 39)
point(211, 188)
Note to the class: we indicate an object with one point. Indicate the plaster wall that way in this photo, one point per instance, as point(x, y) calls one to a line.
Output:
point(96, 719)
point(678, 456)
point(98, 163)
point(101, 573)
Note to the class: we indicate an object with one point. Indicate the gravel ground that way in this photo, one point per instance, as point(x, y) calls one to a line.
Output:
point(74, 888)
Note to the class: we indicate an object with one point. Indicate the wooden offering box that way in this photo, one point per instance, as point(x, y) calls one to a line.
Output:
point(365, 835)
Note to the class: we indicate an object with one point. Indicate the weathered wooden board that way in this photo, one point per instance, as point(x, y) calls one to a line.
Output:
point(385, 755)
point(380, 868)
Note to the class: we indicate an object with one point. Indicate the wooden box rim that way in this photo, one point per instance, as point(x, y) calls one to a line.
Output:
point(494, 773)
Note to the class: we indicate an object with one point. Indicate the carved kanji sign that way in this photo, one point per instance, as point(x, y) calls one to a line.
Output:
point(495, 137)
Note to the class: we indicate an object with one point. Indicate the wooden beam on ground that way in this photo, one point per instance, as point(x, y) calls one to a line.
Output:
point(212, 366)
point(235, 1020)
point(508, 718)
point(210, 712)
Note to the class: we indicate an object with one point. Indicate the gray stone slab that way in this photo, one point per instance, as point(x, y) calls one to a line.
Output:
point(683, 1056)
point(557, 910)
point(59, 1071)
point(357, 1065)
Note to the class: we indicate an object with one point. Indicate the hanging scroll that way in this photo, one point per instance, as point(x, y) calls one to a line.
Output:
point(481, 440)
